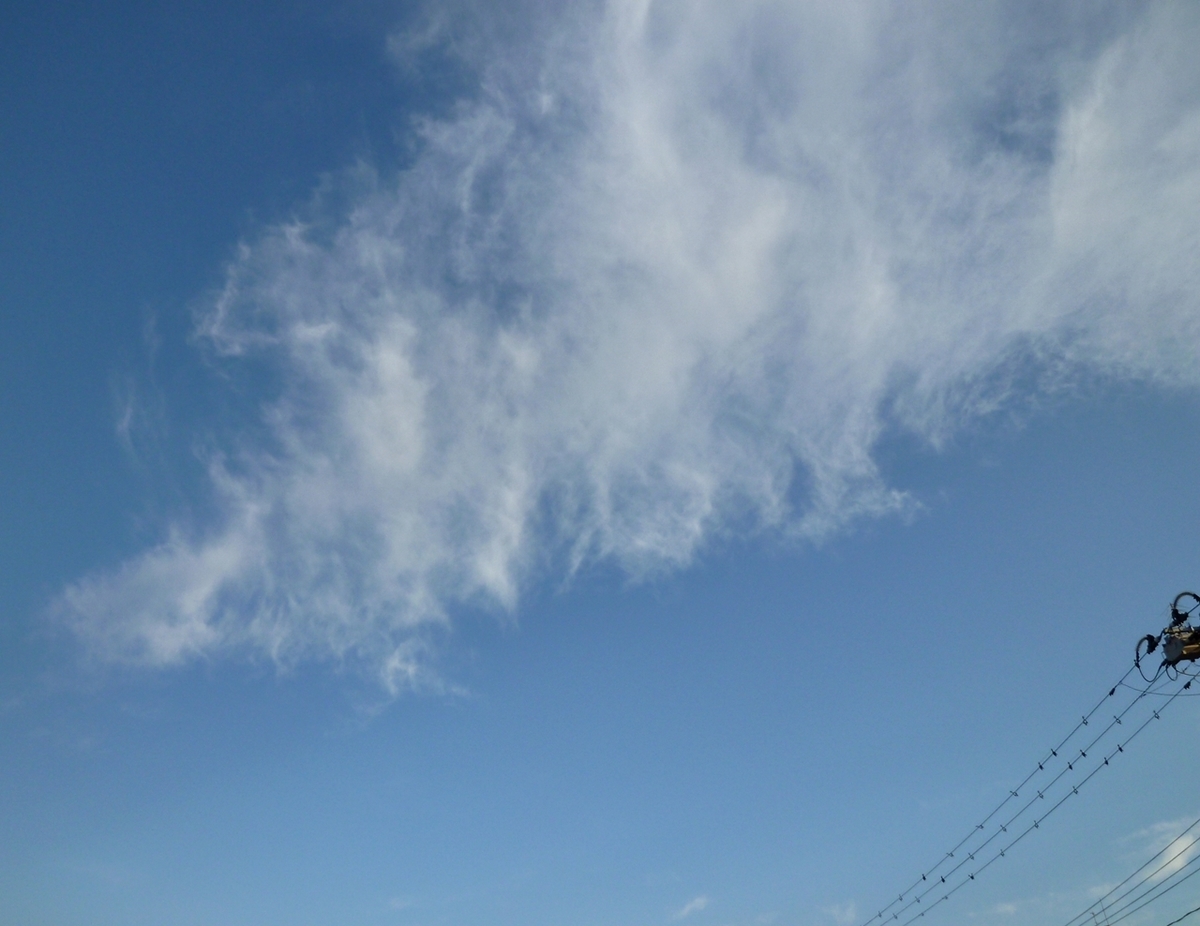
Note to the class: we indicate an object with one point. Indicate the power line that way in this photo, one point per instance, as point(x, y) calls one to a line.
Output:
point(1012, 795)
point(1039, 795)
point(1165, 888)
point(1180, 642)
point(1108, 898)
point(1192, 694)
point(1185, 916)
point(1036, 824)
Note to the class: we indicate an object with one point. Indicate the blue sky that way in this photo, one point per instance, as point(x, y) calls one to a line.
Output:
point(625, 464)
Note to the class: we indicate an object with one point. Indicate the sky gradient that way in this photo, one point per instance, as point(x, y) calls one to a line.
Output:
point(634, 462)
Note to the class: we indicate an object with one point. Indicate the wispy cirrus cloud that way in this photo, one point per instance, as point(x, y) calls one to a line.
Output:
point(695, 905)
point(672, 271)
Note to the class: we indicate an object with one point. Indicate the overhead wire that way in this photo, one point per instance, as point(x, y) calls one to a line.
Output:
point(1012, 795)
point(1162, 888)
point(1039, 795)
point(1167, 670)
point(1103, 902)
point(1154, 891)
point(1036, 824)
point(1184, 917)
point(1164, 694)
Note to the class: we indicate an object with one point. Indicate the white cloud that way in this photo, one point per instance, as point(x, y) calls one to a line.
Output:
point(673, 273)
point(1176, 844)
point(844, 914)
point(1175, 857)
point(695, 905)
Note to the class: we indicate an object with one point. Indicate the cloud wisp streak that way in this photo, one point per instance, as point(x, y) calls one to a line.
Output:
point(672, 274)
point(695, 905)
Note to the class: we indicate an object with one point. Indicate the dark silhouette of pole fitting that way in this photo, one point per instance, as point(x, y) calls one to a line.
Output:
point(1180, 640)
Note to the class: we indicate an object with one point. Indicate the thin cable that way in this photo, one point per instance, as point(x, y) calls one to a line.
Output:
point(1039, 795)
point(1053, 754)
point(1163, 694)
point(1105, 900)
point(1165, 890)
point(1185, 916)
point(1164, 669)
point(1143, 899)
point(1036, 824)
point(1116, 906)
point(1137, 663)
